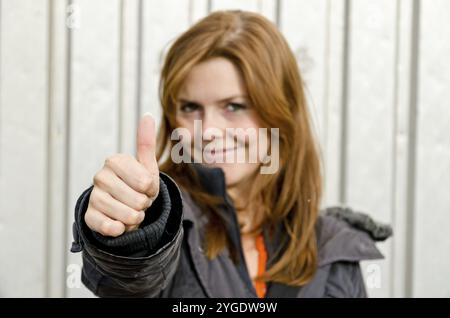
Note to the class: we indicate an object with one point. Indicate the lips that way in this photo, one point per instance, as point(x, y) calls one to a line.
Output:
point(220, 154)
point(220, 151)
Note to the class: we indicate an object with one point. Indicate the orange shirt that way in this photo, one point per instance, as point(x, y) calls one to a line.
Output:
point(262, 259)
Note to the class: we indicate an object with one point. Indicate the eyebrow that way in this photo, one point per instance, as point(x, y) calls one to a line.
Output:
point(223, 100)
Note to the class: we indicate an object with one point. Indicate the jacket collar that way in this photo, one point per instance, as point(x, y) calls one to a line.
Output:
point(339, 236)
point(212, 179)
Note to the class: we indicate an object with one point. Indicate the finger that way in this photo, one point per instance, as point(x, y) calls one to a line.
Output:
point(114, 209)
point(131, 227)
point(108, 181)
point(146, 142)
point(102, 224)
point(134, 174)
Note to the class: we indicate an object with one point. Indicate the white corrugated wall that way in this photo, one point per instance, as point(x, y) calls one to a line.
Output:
point(76, 75)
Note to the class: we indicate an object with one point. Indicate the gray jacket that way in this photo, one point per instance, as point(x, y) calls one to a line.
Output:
point(164, 258)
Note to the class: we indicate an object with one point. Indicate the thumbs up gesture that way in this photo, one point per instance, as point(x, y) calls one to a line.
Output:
point(126, 186)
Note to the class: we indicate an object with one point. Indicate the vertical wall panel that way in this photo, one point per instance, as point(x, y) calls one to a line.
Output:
point(74, 79)
point(129, 59)
point(94, 100)
point(269, 9)
point(23, 144)
point(162, 22)
point(370, 116)
point(251, 5)
point(308, 40)
point(197, 10)
point(265, 7)
point(333, 92)
point(403, 143)
point(57, 151)
point(320, 49)
point(432, 202)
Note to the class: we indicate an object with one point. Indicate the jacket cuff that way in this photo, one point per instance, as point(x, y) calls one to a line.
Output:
point(152, 234)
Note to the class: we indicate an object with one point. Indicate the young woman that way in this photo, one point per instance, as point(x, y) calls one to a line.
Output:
point(179, 221)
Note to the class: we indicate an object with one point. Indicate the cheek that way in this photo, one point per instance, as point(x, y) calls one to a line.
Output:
point(186, 125)
point(184, 122)
point(245, 121)
point(186, 129)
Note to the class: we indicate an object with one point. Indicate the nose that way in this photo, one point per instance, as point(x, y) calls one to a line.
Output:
point(213, 125)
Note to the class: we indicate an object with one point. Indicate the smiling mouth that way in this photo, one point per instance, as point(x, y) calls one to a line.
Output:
point(220, 151)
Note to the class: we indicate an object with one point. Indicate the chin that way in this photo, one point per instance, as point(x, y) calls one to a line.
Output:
point(235, 173)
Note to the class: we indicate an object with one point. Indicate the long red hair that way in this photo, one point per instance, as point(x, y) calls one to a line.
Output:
point(290, 197)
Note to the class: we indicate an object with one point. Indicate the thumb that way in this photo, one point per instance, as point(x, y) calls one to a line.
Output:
point(146, 142)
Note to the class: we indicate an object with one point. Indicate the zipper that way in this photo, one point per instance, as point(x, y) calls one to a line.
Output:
point(242, 266)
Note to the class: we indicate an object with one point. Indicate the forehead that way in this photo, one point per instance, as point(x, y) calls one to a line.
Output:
point(212, 80)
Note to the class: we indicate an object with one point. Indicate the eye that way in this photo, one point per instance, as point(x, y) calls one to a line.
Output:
point(234, 107)
point(189, 107)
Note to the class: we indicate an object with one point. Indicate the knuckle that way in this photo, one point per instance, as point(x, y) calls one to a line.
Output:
point(144, 182)
point(153, 191)
point(109, 161)
point(99, 199)
point(93, 200)
point(116, 160)
point(87, 217)
point(99, 179)
point(107, 228)
point(142, 202)
point(134, 218)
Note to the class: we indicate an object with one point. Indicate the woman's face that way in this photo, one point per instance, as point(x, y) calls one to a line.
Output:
point(211, 105)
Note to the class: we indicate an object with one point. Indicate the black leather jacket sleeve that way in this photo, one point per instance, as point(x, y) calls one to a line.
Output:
point(139, 263)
